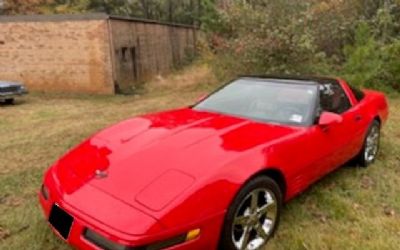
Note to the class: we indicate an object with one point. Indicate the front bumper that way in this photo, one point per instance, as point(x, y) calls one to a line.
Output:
point(128, 234)
point(12, 95)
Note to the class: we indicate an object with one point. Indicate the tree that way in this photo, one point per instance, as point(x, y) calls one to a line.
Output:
point(179, 11)
point(23, 6)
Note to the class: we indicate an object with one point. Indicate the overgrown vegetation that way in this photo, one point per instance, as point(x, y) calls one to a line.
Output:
point(356, 39)
point(179, 11)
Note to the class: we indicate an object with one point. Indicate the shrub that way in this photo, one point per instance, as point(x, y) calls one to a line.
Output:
point(342, 38)
point(259, 41)
point(372, 62)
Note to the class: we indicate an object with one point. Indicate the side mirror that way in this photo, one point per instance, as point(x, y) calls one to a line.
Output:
point(329, 118)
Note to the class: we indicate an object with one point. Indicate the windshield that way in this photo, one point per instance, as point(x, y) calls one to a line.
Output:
point(277, 101)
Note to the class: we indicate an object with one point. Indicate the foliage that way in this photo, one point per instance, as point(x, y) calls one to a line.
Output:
point(365, 59)
point(372, 59)
point(373, 64)
point(356, 39)
point(181, 11)
point(22, 6)
point(270, 39)
point(208, 15)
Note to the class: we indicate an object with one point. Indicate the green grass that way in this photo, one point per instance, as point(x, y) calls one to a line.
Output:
point(352, 208)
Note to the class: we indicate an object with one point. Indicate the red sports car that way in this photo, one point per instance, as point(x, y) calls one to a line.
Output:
point(213, 175)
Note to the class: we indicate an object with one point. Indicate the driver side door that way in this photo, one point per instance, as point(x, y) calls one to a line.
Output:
point(336, 139)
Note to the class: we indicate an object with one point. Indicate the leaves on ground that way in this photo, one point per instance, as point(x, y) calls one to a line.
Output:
point(4, 233)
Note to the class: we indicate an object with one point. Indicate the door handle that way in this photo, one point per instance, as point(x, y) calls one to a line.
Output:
point(358, 118)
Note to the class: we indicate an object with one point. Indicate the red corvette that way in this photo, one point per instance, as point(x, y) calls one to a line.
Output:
point(213, 175)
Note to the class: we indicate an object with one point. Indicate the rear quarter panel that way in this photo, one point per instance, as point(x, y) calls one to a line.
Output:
point(377, 104)
point(373, 105)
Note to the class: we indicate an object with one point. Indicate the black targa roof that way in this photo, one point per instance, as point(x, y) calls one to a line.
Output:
point(294, 79)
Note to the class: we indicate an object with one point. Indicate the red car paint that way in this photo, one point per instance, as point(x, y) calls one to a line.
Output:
point(168, 173)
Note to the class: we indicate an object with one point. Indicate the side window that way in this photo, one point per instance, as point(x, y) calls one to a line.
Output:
point(333, 98)
point(357, 93)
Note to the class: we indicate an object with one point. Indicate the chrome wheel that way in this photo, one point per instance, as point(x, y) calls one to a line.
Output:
point(372, 144)
point(255, 220)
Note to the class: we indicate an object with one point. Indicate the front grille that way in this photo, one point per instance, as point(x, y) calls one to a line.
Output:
point(9, 89)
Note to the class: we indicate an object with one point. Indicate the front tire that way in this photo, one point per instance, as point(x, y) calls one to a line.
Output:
point(253, 217)
point(370, 148)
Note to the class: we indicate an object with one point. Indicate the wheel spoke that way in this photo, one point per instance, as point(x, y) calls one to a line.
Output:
point(267, 208)
point(241, 220)
point(369, 141)
point(254, 201)
point(261, 232)
point(245, 238)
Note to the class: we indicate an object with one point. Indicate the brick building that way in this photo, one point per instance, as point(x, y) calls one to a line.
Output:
point(90, 53)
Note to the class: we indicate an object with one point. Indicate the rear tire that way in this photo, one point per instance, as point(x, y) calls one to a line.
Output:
point(9, 101)
point(253, 217)
point(371, 145)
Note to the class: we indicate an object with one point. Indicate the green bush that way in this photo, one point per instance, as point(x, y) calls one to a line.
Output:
point(309, 38)
point(260, 42)
point(371, 62)
point(364, 58)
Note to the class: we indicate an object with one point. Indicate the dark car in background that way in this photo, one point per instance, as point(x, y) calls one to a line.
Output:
point(10, 90)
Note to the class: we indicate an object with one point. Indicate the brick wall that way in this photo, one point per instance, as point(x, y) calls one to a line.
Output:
point(61, 56)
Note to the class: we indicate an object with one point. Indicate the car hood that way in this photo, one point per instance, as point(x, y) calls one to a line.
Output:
point(149, 161)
